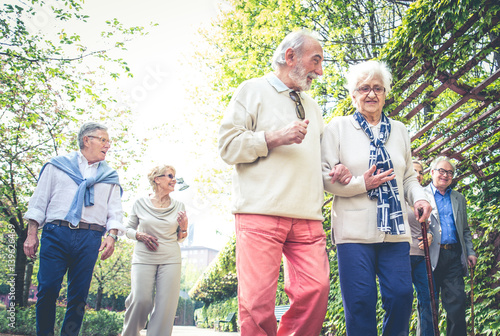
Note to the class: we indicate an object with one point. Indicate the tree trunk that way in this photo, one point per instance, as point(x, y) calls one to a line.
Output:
point(98, 298)
point(20, 270)
point(27, 282)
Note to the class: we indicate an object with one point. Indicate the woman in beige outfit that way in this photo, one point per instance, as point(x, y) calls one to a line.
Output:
point(158, 223)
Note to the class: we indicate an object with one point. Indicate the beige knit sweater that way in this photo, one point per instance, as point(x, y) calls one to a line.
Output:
point(160, 223)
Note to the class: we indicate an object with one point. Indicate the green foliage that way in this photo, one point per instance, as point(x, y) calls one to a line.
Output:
point(49, 87)
point(219, 281)
point(185, 312)
point(111, 277)
point(208, 314)
point(101, 323)
point(483, 200)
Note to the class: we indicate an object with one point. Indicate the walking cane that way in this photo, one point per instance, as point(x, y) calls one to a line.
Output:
point(423, 225)
point(472, 299)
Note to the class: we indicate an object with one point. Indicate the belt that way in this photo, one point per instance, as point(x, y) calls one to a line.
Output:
point(449, 246)
point(81, 225)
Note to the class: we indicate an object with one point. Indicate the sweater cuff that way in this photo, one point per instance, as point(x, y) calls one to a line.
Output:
point(131, 234)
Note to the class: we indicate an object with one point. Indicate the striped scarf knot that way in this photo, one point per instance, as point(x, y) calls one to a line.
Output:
point(389, 213)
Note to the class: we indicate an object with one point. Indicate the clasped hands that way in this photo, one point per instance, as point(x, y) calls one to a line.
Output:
point(373, 179)
point(151, 242)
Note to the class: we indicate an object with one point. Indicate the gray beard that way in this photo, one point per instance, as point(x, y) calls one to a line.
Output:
point(299, 76)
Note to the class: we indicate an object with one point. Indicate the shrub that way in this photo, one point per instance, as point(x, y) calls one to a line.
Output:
point(102, 323)
point(95, 323)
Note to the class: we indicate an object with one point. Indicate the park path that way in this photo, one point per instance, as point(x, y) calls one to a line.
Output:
point(193, 331)
point(183, 331)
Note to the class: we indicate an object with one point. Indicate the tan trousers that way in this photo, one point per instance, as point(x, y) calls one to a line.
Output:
point(142, 299)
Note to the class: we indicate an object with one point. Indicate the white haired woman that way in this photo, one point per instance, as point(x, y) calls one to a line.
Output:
point(158, 223)
point(369, 223)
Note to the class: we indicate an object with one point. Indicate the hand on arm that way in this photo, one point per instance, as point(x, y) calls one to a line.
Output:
point(183, 225)
point(374, 180)
point(293, 133)
point(31, 243)
point(150, 241)
point(341, 174)
point(108, 245)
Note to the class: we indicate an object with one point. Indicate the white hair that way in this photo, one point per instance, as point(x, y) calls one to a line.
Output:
point(87, 129)
point(442, 158)
point(294, 40)
point(365, 71)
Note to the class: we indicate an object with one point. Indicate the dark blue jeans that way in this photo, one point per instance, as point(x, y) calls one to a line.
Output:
point(65, 250)
point(421, 284)
point(359, 266)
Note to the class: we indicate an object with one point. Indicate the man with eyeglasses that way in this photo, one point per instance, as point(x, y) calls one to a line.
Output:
point(77, 200)
point(452, 250)
point(271, 133)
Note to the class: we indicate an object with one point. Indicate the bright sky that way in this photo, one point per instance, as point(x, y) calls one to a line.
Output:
point(158, 95)
point(159, 62)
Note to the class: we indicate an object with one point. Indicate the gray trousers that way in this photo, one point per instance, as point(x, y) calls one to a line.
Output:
point(143, 299)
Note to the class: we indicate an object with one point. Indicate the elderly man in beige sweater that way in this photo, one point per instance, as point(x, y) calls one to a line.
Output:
point(271, 133)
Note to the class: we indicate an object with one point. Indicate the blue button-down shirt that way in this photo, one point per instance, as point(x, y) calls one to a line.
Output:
point(445, 210)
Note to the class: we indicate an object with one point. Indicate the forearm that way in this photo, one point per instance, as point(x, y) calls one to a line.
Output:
point(273, 139)
point(32, 228)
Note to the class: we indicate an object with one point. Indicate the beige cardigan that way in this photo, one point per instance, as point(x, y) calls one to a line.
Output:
point(354, 215)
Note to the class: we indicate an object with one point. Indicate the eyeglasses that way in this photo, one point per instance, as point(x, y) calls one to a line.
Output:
point(301, 113)
point(444, 172)
point(170, 176)
point(103, 140)
point(366, 89)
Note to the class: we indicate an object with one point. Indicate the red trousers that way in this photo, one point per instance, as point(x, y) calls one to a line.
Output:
point(260, 243)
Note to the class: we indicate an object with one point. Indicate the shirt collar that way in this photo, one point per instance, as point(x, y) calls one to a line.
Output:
point(276, 82)
point(434, 190)
point(82, 161)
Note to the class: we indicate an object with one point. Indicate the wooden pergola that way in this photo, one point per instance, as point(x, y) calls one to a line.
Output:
point(454, 118)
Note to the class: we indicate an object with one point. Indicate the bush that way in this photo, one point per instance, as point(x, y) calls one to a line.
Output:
point(102, 323)
point(95, 323)
point(207, 315)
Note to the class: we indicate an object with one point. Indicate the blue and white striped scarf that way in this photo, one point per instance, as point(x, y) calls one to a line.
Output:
point(389, 213)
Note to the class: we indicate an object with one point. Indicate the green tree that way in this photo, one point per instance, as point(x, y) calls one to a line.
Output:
point(46, 93)
point(111, 277)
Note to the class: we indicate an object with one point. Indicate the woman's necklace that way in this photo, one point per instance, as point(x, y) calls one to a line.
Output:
point(162, 204)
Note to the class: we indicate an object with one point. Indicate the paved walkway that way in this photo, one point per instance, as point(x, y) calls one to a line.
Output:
point(184, 331)
point(193, 331)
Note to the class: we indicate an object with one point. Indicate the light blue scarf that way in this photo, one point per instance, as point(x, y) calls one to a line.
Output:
point(389, 213)
point(85, 191)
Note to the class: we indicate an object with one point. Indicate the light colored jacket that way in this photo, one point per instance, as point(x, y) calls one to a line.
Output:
point(459, 206)
point(354, 215)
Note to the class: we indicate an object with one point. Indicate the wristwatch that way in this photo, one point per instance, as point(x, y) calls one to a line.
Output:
point(112, 235)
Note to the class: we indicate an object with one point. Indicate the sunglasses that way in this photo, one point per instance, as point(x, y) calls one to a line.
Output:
point(301, 113)
point(170, 176)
